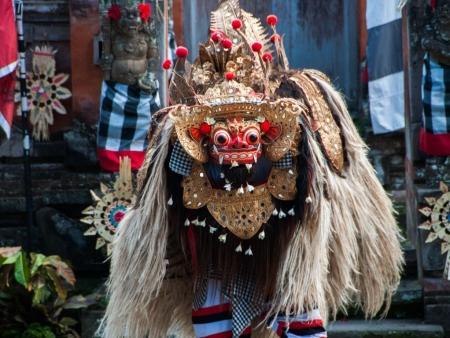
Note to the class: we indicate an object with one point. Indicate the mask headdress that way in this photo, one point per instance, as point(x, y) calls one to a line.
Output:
point(266, 178)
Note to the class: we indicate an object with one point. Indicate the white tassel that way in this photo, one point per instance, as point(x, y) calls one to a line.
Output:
point(249, 252)
point(281, 214)
point(195, 222)
point(170, 201)
point(262, 235)
point(250, 187)
point(187, 222)
point(308, 200)
point(234, 164)
point(227, 187)
point(212, 230)
point(275, 212)
point(241, 190)
point(249, 166)
point(291, 212)
point(223, 238)
point(222, 175)
point(202, 223)
point(238, 248)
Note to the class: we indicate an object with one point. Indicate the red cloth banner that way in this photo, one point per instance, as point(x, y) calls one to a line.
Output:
point(8, 64)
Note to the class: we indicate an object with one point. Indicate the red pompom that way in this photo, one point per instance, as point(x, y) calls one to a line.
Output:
point(205, 128)
point(226, 43)
point(265, 126)
point(216, 36)
point(230, 76)
point(236, 24)
point(272, 20)
point(182, 52)
point(267, 57)
point(167, 64)
point(274, 38)
point(114, 12)
point(144, 11)
point(257, 46)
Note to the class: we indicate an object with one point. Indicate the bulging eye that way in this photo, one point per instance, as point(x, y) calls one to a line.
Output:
point(222, 137)
point(252, 136)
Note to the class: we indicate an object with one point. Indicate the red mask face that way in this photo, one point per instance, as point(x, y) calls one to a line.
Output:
point(235, 140)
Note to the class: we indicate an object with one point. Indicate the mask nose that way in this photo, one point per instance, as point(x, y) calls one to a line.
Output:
point(238, 143)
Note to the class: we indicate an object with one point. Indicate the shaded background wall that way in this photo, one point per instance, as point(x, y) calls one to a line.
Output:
point(321, 34)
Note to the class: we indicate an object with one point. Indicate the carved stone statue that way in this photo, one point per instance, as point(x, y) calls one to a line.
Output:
point(129, 92)
point(129, 50)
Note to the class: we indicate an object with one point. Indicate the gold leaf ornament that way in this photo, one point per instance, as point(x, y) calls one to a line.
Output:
point(438, 222)
point(44, 91)
point(110, 207)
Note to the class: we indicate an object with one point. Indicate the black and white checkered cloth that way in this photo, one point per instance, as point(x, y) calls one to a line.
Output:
point(125, 117)
point(245, 304)
point(180, 162)
point(435, 133)
point(285, 163)
point(436, 99)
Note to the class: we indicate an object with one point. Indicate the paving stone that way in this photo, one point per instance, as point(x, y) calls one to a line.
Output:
point(384, 329)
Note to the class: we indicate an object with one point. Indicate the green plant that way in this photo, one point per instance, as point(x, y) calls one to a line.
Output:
point(33, 294)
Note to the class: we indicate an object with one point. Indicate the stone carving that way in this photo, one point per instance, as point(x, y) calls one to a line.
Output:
point(129, 50)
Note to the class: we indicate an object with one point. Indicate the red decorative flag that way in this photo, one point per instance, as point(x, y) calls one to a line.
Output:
point(8, 64)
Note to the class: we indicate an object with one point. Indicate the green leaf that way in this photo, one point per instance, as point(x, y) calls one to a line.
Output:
point(5, 273)
point(22, 270)
point(9, 251)
point(37, 260)
point(68, 322)
point(40, 295)
point(62, 268)
point(79, 302)
point(59, 288)
point(37, 330)
point(9, 260)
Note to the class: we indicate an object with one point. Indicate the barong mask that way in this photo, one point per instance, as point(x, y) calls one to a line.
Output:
point(256, 176)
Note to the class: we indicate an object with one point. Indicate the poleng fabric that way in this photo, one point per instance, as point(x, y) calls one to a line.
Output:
point(215, 320)
point(125, 117)
point(435, 131)
point(385, 65)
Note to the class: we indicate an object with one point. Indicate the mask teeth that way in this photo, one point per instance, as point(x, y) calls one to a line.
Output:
point(250, 187)
point(249, 251)
point(239, 248)
point(262, 235)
